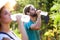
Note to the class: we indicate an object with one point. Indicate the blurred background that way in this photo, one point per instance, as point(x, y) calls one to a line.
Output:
point(50, 29)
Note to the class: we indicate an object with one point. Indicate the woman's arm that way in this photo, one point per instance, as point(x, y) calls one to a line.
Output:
point(21, 28)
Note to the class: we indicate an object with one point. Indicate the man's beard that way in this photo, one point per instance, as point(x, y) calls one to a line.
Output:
point(33, 15)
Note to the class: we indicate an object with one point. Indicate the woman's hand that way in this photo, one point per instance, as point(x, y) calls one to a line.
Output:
point(18, 19)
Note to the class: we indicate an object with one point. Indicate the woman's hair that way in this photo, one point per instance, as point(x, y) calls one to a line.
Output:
point(0, 15)
point(1, 10)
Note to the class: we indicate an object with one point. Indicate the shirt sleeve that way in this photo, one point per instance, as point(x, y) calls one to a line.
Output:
point(27, 25)
point(3, 36)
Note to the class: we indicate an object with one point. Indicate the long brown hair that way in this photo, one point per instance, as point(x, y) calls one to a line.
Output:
point(0, 16)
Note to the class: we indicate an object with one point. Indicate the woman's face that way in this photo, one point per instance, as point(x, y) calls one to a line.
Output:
point(5, 16)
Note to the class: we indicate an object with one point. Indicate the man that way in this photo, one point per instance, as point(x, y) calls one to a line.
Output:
point(32, 27)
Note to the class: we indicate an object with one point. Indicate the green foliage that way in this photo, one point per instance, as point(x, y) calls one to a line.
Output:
point(55, 16)
point(55, 10)
point(55, 7)
point(52, 6)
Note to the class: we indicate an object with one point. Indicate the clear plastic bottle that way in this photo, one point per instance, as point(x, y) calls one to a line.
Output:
point(44, 13)
point(24, 18)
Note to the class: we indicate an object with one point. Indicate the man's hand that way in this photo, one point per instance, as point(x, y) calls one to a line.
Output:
point(38, 12)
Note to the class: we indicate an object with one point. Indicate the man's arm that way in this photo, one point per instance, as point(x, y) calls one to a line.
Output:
point(37, 25)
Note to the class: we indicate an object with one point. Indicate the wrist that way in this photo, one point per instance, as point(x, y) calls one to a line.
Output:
point(39, 15)
point(19, 22)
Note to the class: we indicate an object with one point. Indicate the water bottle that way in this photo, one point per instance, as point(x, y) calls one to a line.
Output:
point(44, 13)
point(24, 18)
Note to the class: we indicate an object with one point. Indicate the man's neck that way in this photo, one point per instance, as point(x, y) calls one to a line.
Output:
point(5, 28)
point(33, 19)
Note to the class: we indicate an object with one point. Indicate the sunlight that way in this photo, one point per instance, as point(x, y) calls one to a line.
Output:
point(3, 2)
point(12, 3)
point(8, 3)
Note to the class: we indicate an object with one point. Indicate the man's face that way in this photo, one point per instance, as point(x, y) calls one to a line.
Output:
point(32, 11)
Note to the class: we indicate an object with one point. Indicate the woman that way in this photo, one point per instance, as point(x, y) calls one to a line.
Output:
point(5, 20)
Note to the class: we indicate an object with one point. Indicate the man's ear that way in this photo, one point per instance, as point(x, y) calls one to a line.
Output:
point(0, 19)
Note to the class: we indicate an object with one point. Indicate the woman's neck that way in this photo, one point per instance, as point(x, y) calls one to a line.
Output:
point(5, 28)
